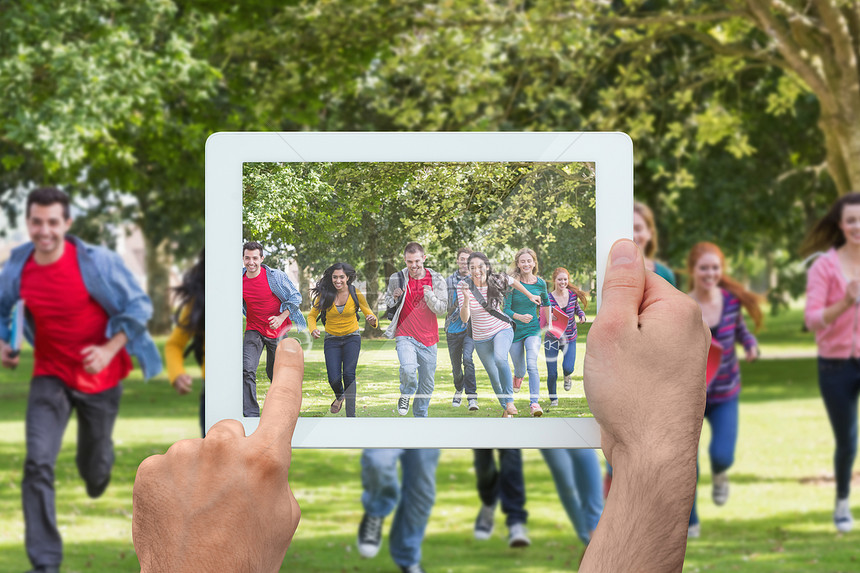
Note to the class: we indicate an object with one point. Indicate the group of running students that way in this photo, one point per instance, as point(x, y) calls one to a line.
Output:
point(496, 314)
point(502, 315)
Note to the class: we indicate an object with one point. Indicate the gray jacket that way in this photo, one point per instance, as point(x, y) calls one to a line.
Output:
point(437, 300)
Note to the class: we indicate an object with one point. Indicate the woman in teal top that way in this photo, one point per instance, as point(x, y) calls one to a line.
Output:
point(645, 236)
point(526, 345)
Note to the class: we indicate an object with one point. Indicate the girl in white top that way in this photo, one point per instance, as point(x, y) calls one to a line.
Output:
point(491, 328)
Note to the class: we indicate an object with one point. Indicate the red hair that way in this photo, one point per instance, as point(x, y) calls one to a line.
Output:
point(749, 300)
point(580, 294)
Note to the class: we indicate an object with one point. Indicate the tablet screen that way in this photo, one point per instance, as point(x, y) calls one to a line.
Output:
point(323, 225)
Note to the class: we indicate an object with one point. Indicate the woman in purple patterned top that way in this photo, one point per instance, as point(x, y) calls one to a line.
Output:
point(721, 299)
point(566, 297)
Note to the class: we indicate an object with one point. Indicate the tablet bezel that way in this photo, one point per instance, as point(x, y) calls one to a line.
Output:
point(227, 152)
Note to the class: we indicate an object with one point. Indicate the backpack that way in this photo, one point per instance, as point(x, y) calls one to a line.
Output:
point(392, 310)
point(354, 298)
point(486, 306)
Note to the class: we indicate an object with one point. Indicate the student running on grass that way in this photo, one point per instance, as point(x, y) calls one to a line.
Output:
point(270, 301)
point(832, 311)
point(336, 302)
point(721, 299)
point(417, 295)
point(526, 323)
point(565, 297)
point(189, 334)
point(461, 347)
point(85, 314)
point(481, 299)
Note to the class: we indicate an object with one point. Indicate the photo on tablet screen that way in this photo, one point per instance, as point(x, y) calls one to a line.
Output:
point(364, 263)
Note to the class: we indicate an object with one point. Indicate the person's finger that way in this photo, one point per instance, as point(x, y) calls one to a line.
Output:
point(284, 399)
point(88, 350)
point(623, 285)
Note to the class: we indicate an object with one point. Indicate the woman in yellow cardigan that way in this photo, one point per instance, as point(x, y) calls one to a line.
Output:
point(188, 335)
point(336, 302)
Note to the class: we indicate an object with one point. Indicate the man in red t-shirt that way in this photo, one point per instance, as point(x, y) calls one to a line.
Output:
point(83, 309)
point(419, 294)
point(271, 305)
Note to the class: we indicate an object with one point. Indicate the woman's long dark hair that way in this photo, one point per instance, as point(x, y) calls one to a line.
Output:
point(192, 293)
point(497, 283)
point(826, 232)
point(324, 293)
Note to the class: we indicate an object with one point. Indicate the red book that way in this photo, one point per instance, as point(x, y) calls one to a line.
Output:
point(559, 322)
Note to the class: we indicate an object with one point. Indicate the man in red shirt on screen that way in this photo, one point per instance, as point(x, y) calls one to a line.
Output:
point(85, 314)
point(270, 302)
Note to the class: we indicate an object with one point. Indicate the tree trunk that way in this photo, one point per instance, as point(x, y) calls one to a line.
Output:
point(158, 285)
point(371, 272)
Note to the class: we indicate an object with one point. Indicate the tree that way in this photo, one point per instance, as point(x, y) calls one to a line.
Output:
point(109, 101)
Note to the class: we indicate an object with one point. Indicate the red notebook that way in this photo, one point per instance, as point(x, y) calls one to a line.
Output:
point(559, 322)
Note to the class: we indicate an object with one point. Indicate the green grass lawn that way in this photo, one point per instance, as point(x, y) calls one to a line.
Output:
point(778, 517)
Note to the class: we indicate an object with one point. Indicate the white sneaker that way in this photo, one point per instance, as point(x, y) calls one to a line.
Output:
point(403, 405)
point(694, 531)
point(568, 383)
point(517, 535)
point(370, 536)
point(458, 399)
point(842, 516)
point(553, 403)
point(720, 491)
point(484, 522)
point(473, 404)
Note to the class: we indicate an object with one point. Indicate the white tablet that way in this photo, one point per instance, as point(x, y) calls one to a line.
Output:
point(315, 199)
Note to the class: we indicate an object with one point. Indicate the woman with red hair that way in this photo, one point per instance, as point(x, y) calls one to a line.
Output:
point(832, 311)
point(570, 300)
point(721, 299)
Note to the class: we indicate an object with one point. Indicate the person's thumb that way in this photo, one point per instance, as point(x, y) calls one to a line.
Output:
point(623, 285)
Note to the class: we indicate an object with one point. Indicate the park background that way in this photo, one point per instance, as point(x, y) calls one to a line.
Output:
point(745, 116)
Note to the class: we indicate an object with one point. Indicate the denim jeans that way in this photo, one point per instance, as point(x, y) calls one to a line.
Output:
point(505, 483)
point(576, 474)
point(252, 347)
point(494, 356)
point(551, 348)
point(413, 499)
point(341, 359)
point(723, 419)
point(417, 368)
point(49, 406)
point(524, 354)
point(460, 349)
point(839, 381)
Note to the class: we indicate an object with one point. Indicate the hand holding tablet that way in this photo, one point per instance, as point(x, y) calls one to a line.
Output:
point(197, 507)
point(645, 382)
point(596, 169)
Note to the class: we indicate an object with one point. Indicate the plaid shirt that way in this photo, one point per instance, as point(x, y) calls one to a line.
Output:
point(290, 297)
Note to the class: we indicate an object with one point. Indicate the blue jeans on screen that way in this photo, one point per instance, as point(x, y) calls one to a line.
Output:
point(723, 419)
point(341, 360)
point(551, 349)
point(493, 353)
point(460, 350)
point(413, 497)
point(417, 369)
point(576, 474)
point(524, 354)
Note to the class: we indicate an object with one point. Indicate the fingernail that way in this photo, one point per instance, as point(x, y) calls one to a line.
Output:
point(623, 253)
